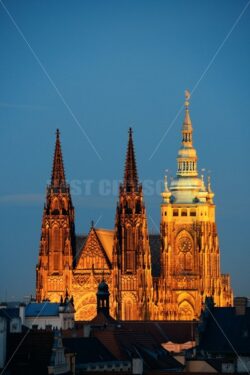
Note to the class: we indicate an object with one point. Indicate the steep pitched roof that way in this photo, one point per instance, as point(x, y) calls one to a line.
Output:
point(102, 319)
point(88, 349)
point(178, 332)
point(58, 176)
point(126, 344)
point(130, 173)
point(106, 238)
point(93, 243)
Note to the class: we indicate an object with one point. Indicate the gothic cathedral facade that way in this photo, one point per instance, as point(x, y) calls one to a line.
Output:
point(186, 255)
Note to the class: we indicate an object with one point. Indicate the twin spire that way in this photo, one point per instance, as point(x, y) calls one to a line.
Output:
point(58, 176)
point(130, 174)
point(186, 160)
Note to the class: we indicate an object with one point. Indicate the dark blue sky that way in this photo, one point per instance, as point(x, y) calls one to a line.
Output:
point(117, 64)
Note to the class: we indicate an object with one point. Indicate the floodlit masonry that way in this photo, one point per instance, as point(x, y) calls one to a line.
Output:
point(149, 276)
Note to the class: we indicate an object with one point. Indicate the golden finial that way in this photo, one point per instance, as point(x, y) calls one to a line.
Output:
point(187, 98)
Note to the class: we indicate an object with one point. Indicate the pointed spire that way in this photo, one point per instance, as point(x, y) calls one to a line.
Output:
point(58, 175)
point(187, 128)
point(187, 158)
point(130, 174)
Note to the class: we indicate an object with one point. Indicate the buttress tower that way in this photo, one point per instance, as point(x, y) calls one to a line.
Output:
point(190, 254)
point(56, 254)
point(131, 253)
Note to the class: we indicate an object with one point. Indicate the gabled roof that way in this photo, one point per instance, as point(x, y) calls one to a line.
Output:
point(126, 344)
point(178, 332)
point(106, 238)
point(88, 349)
point(42, 309)
point(94, 236)
point(102, 319)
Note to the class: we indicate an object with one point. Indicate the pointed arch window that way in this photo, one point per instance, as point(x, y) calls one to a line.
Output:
point(55, 207)
point(128, 310)
point(56, 239)
point(130, 260)
point(56, 261)
point(129, 239)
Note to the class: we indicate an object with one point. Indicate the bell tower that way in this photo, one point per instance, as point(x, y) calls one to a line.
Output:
point(56, 253)
point(131, 253)
point(190, 254)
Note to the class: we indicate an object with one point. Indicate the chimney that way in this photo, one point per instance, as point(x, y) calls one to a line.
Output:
point(240, 304)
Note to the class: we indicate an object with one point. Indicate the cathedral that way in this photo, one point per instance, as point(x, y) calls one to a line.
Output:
point(157, 277)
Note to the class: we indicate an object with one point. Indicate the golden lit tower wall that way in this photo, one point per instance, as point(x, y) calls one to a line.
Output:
point(190, 254)
point(54, 269)
point(189, 250)
point(131, 255)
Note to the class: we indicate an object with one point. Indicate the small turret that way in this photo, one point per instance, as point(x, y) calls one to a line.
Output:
point(166, 194)
point(103, 298)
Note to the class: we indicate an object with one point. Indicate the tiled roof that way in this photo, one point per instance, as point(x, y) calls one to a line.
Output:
point(223, 331)
point(87, 349)
point(102, 319)
point(110, 340)
point(178, 332)
point(42, 309)
point(126, 344)
point(33, 355)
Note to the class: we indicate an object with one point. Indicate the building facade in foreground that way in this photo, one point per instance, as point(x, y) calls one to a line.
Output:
point(149, 276)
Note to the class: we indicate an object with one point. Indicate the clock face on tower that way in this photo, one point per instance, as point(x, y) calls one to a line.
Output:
point(184, 244)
